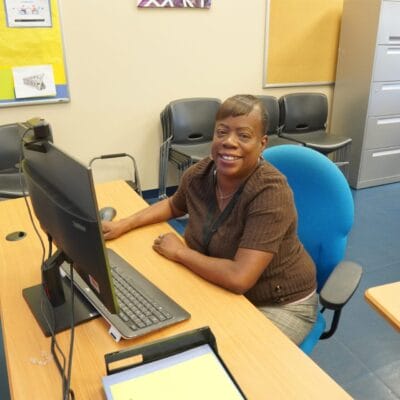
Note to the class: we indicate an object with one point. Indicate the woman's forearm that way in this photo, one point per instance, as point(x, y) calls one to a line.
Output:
point(157, 212)
point(237, 275)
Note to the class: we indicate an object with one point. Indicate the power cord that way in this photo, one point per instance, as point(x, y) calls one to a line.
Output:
point(67, 392)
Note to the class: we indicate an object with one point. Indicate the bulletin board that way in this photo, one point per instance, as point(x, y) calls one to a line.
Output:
point(31, 47)
point(301, 42)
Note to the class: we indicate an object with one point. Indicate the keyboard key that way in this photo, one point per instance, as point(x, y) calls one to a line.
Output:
point(136, 310)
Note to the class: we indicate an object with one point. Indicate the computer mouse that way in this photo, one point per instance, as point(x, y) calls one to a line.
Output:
point(107, 213)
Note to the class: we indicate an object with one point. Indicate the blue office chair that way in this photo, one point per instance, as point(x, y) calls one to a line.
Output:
point(325, 216)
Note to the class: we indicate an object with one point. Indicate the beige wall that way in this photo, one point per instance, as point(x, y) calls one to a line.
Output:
point(125, 64)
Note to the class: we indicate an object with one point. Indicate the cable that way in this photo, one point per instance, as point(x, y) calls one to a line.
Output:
point(67, 392)
point(72, 336)
point(65, 373)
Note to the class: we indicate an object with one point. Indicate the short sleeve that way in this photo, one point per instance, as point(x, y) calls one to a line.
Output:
point(178, 199)
point(193, 185)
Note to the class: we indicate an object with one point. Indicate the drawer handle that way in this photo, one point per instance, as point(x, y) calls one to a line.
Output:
point(385, 153)
point(393, 51)
point(390, 87)
point(388, 121)
point(394, 38)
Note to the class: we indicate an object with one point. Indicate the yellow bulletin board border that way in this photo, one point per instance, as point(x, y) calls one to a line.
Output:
point(32, 46)
point(301, 42)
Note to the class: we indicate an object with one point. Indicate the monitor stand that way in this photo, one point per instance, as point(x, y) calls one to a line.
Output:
point(40, 306)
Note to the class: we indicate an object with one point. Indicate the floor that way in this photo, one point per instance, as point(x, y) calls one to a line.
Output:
point(364, 354)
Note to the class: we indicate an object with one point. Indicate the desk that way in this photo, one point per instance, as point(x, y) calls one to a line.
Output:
point(386, 300)
point(264, 362)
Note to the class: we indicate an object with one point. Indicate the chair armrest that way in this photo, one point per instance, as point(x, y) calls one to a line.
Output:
point(341, 285)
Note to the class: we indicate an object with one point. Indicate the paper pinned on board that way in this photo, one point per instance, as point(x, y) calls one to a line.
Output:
point(34, 81)
point(28, 13)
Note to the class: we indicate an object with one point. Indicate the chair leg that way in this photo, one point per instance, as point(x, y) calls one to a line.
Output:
point(163, 170)
point(341, 158)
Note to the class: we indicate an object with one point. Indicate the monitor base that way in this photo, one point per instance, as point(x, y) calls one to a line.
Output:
point(42, 309)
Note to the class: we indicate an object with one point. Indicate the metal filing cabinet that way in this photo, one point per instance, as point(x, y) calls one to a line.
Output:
point(366, 100)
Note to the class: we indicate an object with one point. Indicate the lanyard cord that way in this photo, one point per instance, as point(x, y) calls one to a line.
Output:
point(211, 226)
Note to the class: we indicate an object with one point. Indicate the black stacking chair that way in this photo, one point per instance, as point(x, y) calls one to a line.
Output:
point(10, 145)
point(303, 118)
point(271, 104)
point(188, 128)
point(12, 183)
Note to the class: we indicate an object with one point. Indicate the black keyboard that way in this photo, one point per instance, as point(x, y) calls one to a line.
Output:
point(136, 310)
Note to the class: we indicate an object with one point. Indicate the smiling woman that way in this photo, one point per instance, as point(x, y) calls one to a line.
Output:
point(238, 142)
point(242, 228)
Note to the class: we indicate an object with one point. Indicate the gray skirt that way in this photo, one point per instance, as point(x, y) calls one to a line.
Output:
point(294, 320)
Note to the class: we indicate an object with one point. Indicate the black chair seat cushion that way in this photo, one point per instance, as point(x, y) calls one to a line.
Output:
point(318, 140)
point(275, 140)
point(196, 152)
point(10, 186)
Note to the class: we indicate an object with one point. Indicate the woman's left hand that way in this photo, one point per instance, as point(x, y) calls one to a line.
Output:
point(168, 245)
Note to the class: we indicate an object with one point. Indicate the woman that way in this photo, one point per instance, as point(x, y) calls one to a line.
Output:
point(241, 232)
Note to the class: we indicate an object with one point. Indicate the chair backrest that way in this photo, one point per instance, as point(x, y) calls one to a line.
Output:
point(192, 120)
point(303, 112)
point(271, 104)
point(10, 138)
point(323, 201)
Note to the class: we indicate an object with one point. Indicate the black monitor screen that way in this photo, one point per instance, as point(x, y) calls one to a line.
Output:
point(62, 193)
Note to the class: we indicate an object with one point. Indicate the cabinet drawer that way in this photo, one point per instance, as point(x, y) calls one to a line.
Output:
point(380, 163)
point(387, 63)
point(384, 99)
point(389, 26)
point(382, 132)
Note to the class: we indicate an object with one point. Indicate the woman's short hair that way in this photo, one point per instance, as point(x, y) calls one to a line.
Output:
point(243, 104)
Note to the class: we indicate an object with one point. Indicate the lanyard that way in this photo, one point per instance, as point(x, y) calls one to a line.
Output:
point(212, 226)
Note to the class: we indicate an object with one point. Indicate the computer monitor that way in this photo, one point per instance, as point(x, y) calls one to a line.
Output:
point(63, 198)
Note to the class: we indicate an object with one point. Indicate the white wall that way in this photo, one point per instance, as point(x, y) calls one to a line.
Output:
point(125, 64)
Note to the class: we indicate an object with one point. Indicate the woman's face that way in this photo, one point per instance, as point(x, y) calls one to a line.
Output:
point(237, 144)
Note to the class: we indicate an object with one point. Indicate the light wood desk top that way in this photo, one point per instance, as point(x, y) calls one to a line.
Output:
point(386, 300)
point(264, 362)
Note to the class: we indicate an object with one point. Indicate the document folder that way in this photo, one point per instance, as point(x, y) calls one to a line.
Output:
point(185, 366)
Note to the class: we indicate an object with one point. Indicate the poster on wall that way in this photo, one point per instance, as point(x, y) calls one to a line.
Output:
point(32, 64)
point(174, 3)
point(34, 81)
point(28, 13)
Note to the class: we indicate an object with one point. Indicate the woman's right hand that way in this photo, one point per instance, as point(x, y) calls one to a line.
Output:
point(113, 229)
point(158, 212)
